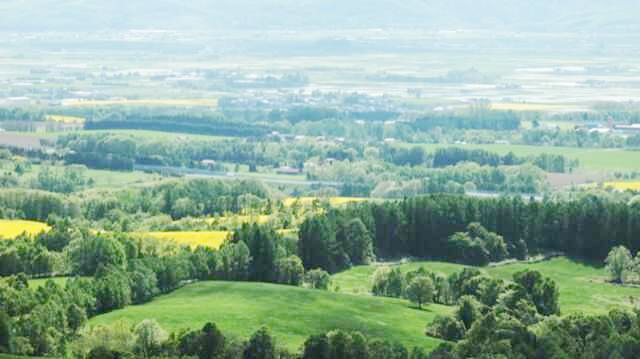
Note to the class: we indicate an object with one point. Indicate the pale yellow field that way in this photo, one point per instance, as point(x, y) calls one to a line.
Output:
point(284, 232)
point(239, 219)
point(142, 102)
point(623, 186)
point(505, 106)
point(10, 228)
point(211, 239)
point(65, 119)
point(334, 201)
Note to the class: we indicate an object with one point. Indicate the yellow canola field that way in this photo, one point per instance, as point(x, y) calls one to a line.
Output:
point(623, 186)
point(12, 228)
point(142, 102)
point(260, 219)
point(211, 239)
point(334, 201)
point(65, 119)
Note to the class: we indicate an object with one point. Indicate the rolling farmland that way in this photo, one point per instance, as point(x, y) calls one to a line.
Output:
point(292, 313)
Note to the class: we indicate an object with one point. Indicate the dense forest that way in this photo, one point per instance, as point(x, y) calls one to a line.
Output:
point(439, 227)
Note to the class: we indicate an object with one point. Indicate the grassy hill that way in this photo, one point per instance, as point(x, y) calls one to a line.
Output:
point(292, 313)
point(583, 288)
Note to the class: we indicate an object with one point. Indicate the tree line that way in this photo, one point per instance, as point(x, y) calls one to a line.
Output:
point(179, 198)
point(488, 120)
point(438, 227)
point(548, 162)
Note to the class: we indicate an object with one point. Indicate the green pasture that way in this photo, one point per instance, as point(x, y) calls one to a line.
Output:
point(292, 313)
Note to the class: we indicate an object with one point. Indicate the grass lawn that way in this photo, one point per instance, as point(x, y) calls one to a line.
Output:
point(594, 159)
point(292, 313)
point(583, 288)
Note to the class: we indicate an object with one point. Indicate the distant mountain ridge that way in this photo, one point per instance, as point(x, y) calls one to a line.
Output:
point(209, 15)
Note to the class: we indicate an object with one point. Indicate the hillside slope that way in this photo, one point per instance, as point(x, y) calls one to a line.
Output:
point(583, 288)
point(292, 313)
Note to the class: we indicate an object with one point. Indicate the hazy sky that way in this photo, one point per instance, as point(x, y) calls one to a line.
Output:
point(498, 15)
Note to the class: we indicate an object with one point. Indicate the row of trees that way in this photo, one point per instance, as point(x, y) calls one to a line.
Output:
point(364, 178)
point(483, 119)
point(548, 162)
point(179, 198)
point(425, 227)
point(203, 123)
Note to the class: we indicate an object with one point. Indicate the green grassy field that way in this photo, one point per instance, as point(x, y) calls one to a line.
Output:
point(292, 313)
point(583, 288)
point(594, 159)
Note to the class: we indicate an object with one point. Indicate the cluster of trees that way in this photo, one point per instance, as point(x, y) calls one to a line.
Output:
point(334, 242)
point(72, 179)
point(529, 299)
point(402, 156)
point(622, 266)
point(548, 162)
point(420, 286)
point(479, 247)
point(146, 339)
point(22, 255)
point(39, 321)
point(424, 286)
point(586, 226)
point(37, 204)
point(113, 152)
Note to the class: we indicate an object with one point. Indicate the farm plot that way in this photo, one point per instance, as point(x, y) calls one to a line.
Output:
point(12, 228)
point(211, 239)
